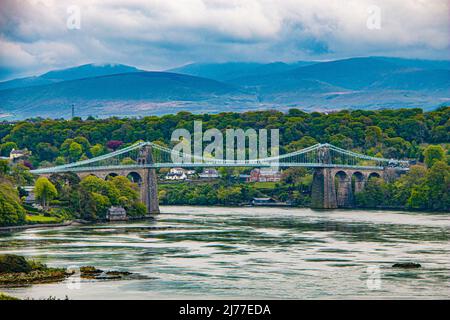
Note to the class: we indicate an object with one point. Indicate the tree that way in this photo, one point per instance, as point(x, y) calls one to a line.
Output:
point(4, 167)
point(45, 191)
point(11, 211)
point(375, 194)
point(438, 183)
point(373, 136)
point(341, 141)
point(97, 150)
point(75, 151)
point(432, 154)
point(46, 151)
point(293, 175)
point(60, 161)
point(114, 144)
point(6, 148)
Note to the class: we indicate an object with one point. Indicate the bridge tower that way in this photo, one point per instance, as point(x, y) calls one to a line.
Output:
point(323, 190)
point(149, 186)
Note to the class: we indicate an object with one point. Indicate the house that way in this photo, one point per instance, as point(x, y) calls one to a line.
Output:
point(264, 175)
point(116, 214)
point(190, 172)
point(176, 174)
point(209, 173)
point(19, 154)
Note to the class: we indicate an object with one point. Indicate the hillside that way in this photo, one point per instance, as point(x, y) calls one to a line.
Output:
point(105, 90)
point(128, 93)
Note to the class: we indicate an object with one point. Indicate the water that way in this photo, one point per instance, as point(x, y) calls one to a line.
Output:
point(248, 253)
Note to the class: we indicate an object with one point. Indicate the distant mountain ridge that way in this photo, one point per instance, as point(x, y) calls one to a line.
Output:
point(113, 89)
point(79, 72)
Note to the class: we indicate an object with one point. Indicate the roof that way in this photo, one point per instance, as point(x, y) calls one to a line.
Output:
point(13, 151)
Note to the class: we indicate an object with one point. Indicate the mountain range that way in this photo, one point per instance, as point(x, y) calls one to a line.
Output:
point(120, 90)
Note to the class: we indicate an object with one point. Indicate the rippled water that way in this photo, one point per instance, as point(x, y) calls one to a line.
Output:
point(258, 253)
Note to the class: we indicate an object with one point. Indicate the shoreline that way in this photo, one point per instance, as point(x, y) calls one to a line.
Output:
point(150, 217)
point(64, 224)
point(34, 226)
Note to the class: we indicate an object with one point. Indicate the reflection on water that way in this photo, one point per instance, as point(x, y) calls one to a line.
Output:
point(278, 253)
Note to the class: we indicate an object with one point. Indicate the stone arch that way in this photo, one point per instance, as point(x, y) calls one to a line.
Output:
point(343, 188)
point(374, 175)
point(135, 177)
point(84, 175)
point(111, 175)
point(358, 182)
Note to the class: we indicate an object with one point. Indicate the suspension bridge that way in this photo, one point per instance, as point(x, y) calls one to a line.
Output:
point(338, 173)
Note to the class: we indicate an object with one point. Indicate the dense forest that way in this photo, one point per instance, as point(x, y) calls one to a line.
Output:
point(422, 137)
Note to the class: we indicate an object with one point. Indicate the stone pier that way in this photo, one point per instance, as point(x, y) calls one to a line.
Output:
point(336, 187)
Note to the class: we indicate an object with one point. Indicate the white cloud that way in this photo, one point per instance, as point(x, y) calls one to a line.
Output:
point(162, 33)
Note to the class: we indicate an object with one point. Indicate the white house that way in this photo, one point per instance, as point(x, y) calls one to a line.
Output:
point(176, 174)
point(17, 154)
point(209, 173)
point(116, 214)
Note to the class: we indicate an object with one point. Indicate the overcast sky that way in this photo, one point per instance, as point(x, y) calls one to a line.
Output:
point(159, 34)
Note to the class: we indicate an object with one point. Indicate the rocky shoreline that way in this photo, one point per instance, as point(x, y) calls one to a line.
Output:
point(16, 271)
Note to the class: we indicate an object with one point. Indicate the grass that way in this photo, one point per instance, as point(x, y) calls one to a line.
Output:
point(264, 185)
point(41, 219)
point(6, 297)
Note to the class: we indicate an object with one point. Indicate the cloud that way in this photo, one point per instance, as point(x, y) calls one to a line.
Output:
point(157, 34)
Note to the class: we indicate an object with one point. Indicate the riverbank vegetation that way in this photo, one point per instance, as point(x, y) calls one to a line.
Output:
point(66, 197)
point(420, 189)
point(16, 270)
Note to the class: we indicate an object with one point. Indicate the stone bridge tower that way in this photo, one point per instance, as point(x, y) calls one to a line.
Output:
point(149, 188)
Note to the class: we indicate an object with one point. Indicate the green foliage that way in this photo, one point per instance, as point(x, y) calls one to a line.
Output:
point(434, 191)
point(11, 211)
point(21, 175)
point(10, 263)
point(5, 148)
point(4, 297)
point(75, 151)
point(97, 150)
point(45, 191)
point(4, 167)
point(36, 219)
point(375, 193)
point(96, 195)
point(432, 154)
point(419, 189)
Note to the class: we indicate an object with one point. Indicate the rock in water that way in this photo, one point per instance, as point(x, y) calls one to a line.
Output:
point(407, 265)
point(10, 263)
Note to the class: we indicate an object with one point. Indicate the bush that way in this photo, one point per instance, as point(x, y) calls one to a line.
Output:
point(12, 263)
point(11, 211)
